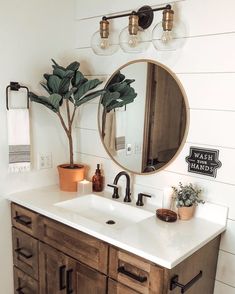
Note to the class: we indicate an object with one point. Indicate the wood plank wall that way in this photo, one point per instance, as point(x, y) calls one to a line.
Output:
point(206, 69)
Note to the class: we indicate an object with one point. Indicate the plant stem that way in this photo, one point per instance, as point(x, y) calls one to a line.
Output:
point(74, 111)
point(71, 150)
point(62, 122)
point(68, 132)
point(70, 121)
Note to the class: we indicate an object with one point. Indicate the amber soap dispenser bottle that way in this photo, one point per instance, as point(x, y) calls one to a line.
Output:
point(98, 180)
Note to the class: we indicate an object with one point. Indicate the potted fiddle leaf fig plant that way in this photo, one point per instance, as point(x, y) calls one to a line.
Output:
point(67, 89)
point(186, 198)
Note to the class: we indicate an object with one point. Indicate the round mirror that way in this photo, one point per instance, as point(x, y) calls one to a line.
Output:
point(143, 116)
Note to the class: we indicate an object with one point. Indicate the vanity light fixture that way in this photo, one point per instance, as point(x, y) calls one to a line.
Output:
point(135, 38)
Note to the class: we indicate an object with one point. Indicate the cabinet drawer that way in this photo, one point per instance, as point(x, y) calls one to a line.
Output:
point(24, 284)
point(78, 245)
point(24, 219)
point(135, 272)
point(25, 252)
point(118, 288)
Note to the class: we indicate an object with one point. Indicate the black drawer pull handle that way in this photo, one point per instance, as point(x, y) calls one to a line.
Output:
point(62, 285)
point(23, 220)
point(69, 282)
point(184, 288)
point(19, 290)
point(140, 279)
point(23, 252)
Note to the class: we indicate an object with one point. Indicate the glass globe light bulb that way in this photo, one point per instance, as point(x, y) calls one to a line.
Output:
point(165, 40)
point(133, 41)
point(166, 36)
point(104, 43)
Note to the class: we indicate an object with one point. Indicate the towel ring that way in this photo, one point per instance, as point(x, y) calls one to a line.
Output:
point(15, 86)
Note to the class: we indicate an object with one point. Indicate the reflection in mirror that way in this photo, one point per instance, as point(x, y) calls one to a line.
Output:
point(142, 117)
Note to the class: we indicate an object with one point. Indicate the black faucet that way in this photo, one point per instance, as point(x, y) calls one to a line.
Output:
point(128, 181)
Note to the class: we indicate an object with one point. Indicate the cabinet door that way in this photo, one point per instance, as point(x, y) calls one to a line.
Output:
point(60, 274)
point(88, 280)
point(53, 267)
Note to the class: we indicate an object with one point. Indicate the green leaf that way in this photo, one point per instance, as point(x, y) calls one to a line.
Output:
point(121, 103)
point(69, 74)
point(46, 88)
point(73, 66)
point(129, 81)
point(46, 76)
point(108, 97)
point(56, 65)
point(78, 79)
point(55, 100)
point(87, 86)
point(70, 93)
point(117, 78)
point(52, 102)
point(54, 83)
point(64, 86)
point(59, 72)
point(89, 97)
point(118, 87)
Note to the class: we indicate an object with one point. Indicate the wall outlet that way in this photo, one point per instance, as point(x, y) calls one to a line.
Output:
point(44, 161)
point(128, 149)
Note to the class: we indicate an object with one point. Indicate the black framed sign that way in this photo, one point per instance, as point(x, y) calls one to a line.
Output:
point(203, 161)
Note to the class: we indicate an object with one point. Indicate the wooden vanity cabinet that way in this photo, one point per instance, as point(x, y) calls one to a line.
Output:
point(52, 258)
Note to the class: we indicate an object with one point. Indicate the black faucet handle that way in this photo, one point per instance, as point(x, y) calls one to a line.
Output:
point(139, 201)
point(115, 191)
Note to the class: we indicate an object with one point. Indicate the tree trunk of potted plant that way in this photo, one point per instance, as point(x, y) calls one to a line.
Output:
point(69, 174)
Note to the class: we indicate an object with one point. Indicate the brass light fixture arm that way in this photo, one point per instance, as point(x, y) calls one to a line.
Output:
point(145, 14)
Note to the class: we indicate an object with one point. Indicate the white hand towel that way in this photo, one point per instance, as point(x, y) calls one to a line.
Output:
point(18, 140)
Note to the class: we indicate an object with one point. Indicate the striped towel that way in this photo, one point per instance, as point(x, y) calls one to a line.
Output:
point(18, 140)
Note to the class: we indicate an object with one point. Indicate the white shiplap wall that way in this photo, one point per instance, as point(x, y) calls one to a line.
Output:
point(206, 69)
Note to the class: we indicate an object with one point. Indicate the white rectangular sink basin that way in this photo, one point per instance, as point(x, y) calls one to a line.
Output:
point(105, 211)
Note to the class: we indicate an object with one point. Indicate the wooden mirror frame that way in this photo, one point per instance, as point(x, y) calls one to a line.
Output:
point(187, 118)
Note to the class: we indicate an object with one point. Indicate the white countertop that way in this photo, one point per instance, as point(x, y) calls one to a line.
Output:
point(165, 244)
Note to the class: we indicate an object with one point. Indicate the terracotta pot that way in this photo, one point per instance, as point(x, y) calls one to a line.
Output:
point(70, 176)
point(186, 213)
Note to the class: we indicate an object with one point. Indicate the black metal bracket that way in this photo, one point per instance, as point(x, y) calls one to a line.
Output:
point(174, 282)
point(145, 14)
point(15, 86)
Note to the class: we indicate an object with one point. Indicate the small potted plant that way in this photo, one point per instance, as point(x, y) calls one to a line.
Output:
point(186, 198)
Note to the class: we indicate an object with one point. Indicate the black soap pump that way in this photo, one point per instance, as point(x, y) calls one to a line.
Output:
point(98, 180)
